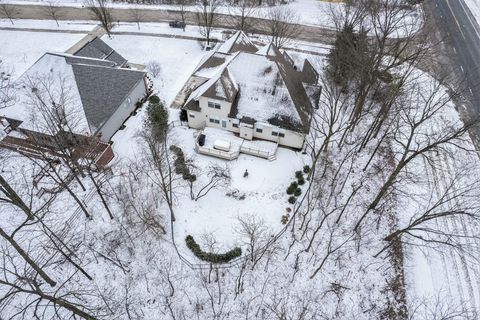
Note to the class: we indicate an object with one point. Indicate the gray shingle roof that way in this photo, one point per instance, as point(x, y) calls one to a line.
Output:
point(98, 49)
point(103, 89)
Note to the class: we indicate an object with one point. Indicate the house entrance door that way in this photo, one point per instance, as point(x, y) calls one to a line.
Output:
point(224, 124)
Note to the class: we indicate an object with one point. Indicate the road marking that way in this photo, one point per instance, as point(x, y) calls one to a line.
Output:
point(470, 89)
point(461, 67)
point(473, 23)
point(456, 20)
point(454, 50)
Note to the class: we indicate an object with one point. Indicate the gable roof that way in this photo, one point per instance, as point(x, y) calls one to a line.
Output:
point(90, 90)
point(270, 50)
point(98, 49)
point(103, 89)
point(236, 43)
point(268, 86)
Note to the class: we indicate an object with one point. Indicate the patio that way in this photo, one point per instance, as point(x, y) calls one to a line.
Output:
point(224, 144)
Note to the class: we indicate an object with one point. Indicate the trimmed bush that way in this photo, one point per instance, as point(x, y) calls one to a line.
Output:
point(301, 182)
point(211, 257)
point(180, 165)
point(292, 187)
point(299, 175)
point(297, 192)
point(306, 169)
point(154, 99)
point(292, 200)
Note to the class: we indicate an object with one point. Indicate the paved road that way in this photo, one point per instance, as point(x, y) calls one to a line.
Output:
point(462, 34)
point(306, 33)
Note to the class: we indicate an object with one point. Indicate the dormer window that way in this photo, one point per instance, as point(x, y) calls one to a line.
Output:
point(214, 105)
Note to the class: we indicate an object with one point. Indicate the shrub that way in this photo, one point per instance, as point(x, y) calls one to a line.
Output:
point(292, 199)
point(297, 192)
point(306, 169)
point(292, 187)
point(301, 182)
point(154, 99)
point(138, 104)
point(211, 257)
point(299, 175)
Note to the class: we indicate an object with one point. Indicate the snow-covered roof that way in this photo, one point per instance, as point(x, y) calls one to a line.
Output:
point(236, 43)
point(264, 94)
point(263, 86)
point(85, 91)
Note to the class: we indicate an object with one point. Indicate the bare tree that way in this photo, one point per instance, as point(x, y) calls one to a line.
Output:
point(281, 23)
point(31, 298)
point(241, 14)
point(255, 234)
point(154, 68)
point(7, 96)
point(9, 11)
point(207, 17)
point(137, 15)
point(53, 11)
point(102, 11)
point(181, 5)
point(421, 132)
point(217, 176)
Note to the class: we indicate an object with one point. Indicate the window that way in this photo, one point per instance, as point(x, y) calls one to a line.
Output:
point(235, 125)
point(191, 115)
point(213, 105)
point(278, 133)
point(213, 120)
point(259, 130)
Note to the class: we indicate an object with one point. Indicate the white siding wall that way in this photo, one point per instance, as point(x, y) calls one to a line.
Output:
point(292, 139)
point(123, 112)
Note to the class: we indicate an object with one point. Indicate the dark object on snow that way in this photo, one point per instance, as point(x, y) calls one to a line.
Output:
point(177, 24)
point(183, 115)
point(201, 140)
point(245, 174)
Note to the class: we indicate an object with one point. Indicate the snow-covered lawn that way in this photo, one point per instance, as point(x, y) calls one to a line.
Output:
point(49, 24)
point(177, 58)
point(20, 49)
point(217, 213)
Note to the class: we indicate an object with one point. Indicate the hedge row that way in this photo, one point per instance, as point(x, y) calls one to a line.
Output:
point(180, 165)
point(211, 257)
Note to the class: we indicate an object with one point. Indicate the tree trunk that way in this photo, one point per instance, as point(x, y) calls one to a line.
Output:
point(25, 256)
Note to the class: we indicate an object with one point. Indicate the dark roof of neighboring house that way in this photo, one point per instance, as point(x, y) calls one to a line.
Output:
point(98, 49)
point(103, 89)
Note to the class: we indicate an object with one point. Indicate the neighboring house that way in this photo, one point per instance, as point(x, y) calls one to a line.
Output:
point(258, 94)
point(92, 93)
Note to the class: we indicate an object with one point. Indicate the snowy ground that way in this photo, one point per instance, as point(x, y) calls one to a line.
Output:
point(474, 6)
point(308, 12)
point(20, 49)
point(177, 58)
point(49, 24)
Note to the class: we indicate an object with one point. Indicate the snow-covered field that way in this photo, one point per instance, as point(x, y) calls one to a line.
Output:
point(49, 25)
point(20, 49)
point(177, 58)
point(355, 278)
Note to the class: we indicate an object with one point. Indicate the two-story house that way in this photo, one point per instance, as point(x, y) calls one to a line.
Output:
point(257, 94)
